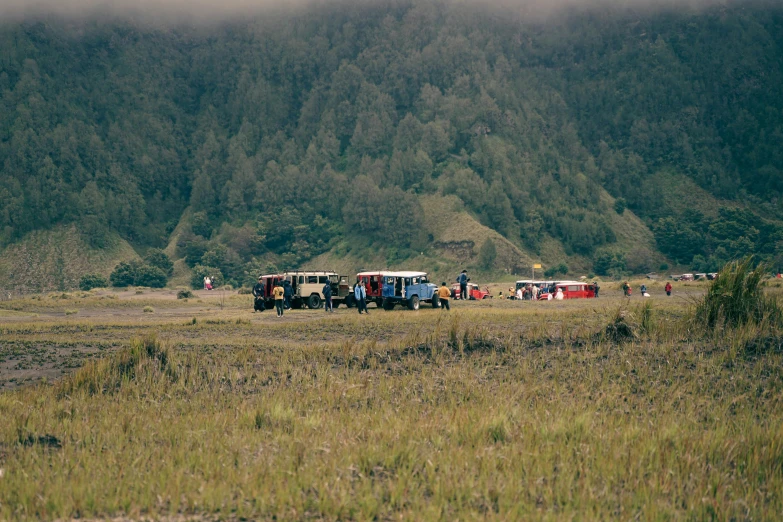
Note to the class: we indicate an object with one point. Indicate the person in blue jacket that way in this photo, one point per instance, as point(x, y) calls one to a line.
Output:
point(360, 293)
point(463, 279)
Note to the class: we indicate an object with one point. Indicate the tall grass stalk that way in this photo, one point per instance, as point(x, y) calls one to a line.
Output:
point(736, 297)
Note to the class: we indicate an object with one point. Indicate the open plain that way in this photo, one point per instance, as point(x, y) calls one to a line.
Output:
point(200, 409)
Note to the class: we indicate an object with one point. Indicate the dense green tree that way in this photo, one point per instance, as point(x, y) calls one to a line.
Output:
point(487, 254)
point(312, 125)
point(158, 258)
point(90, 281)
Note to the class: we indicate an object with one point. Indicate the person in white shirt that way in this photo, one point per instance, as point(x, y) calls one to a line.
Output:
point(559, 294)
point(519, 294)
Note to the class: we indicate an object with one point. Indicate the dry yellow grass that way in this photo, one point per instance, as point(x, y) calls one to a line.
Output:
point(497, 410)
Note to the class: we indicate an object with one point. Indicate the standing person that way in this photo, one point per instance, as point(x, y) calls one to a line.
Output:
point(278, 292)
point(626, 289)
point(360, 293)
point(668, 288)
point(444, 293)
point(643, 290)
point(522, 294)
point(559, 294)
point(259, 292)
point(327, 291)
point(463, 284)
point(288, 293)
point(596, 287)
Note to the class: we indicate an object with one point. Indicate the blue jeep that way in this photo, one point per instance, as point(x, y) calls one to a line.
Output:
point(408, 288)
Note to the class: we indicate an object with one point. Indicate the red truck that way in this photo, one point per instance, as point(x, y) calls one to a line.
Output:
point(474, 292)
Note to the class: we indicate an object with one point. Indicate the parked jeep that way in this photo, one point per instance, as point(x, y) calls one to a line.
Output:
point(308, 286)
point(373, 286)
point(474, 292)
point(409, 289)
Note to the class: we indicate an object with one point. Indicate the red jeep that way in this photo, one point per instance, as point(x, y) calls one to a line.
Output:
point(474, 292)
point(373, 285)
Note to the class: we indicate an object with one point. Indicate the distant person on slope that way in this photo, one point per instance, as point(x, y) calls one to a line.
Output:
point(258, 293)
point(668, 288)
point(463, 279)
point(444, 293)
point(559, 294)
point(596, 288)
point(643, 289)
point(626, 289)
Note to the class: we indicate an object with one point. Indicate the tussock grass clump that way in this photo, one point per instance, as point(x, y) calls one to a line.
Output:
point(736, 298)
point(620, 330)
point(184, 294)
point(149, 310)
point(145, 357)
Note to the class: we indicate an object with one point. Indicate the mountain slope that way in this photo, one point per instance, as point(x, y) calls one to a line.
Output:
point(271, 141)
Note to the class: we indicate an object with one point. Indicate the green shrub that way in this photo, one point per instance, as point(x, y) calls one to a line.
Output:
point(184, 294)
point(152, 276)
point(135, 273)
point(124, 274)
point(148, 310)
point(90, 281)
point(736, 297)
point(158, 258)
point(562, 268)
point(487, 254)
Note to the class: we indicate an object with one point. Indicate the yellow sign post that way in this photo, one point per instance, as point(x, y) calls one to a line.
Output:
point(537, 265)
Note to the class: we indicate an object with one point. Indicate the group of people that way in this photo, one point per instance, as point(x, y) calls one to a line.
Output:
point(282, 292)
point(208, 281)
point(627, 290)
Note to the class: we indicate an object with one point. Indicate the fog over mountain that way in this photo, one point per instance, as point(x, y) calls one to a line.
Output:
point(217, 9)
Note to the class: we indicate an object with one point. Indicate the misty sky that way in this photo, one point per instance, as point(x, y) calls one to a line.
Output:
point(14, 9)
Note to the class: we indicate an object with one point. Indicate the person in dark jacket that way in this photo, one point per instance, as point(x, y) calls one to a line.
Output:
point(596, 288)
point(327, 291)
point(288, 294)
point(463, 279)
point(258, 294)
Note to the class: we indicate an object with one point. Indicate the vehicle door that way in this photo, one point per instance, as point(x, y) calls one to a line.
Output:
point(390, 286)
point(374, 285)
point(414, 287)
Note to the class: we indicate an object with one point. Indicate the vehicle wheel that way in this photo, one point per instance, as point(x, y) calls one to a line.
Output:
point(485, 297)
point(436, 301)
point(471, 298)
point(388, 304)
point(336, 304)
point(413, 303)
point(314, 302)
point(349, 301)
point(296, 304)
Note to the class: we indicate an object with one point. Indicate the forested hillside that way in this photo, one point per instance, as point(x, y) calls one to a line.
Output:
point(281, 137)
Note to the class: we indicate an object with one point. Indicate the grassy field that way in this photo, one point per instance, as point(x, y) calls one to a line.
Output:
point(592, 409)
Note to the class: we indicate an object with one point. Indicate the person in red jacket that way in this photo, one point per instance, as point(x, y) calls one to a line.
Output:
point(668, 288)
